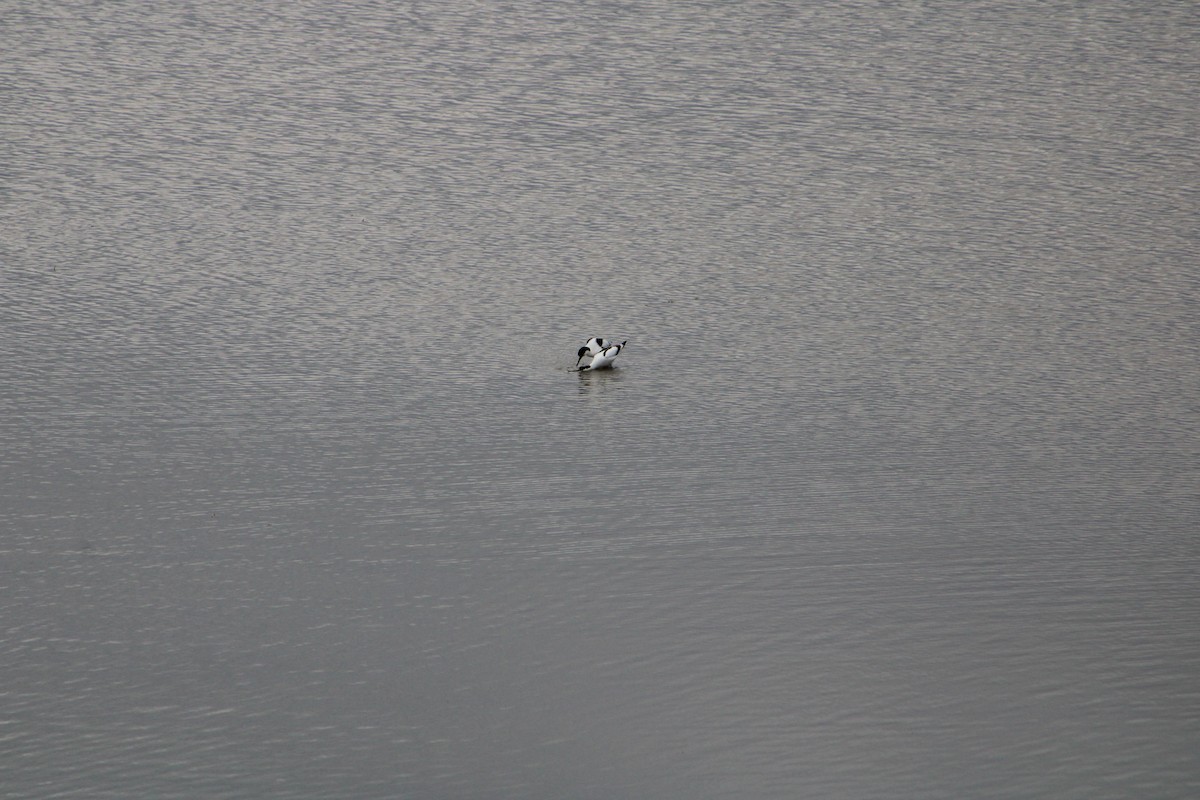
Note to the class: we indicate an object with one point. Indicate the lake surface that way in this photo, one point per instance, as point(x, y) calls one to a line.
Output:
point(894, 492)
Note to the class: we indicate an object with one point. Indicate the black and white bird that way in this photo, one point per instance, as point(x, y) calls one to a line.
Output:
point(603, 358)
point(594, 345)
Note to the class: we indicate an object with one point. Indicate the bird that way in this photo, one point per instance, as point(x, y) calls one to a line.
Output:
point(594, 345)
point(604, 358)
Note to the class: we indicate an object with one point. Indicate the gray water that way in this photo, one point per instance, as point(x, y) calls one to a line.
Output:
point(894, 492)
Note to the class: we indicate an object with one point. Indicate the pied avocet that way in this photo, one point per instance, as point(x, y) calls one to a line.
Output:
point(604, 358)
point(594, 345)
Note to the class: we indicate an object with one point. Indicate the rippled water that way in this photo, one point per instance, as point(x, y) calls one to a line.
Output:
point(894, 492)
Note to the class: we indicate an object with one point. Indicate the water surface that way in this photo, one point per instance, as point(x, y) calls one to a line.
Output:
point(892, 494)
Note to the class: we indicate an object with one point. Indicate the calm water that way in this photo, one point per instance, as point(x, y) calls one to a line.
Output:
point(894, 493)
